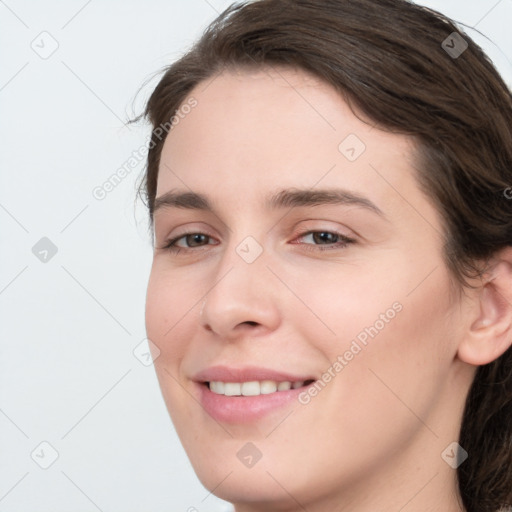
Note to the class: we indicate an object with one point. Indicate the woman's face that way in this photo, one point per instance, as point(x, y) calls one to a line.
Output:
point(303, 251)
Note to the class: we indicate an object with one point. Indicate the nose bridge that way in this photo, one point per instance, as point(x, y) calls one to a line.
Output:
point(240, 291)
point(240, 269)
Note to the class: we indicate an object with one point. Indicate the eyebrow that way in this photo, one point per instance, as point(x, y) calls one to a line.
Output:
point(287, 198)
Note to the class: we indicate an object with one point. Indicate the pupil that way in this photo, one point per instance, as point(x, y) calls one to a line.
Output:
point(195, 239)
point(324, 237)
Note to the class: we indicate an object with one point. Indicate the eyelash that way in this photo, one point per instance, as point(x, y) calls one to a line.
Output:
point(343, 242)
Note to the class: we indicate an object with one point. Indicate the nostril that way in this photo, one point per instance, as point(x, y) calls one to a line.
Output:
point(250, 322)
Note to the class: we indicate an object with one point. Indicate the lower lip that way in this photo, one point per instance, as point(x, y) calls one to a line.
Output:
point(245, 409)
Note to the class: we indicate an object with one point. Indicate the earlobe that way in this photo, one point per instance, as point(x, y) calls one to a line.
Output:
point(490, 332)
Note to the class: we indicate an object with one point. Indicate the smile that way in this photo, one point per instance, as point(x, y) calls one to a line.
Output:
point(253, 388)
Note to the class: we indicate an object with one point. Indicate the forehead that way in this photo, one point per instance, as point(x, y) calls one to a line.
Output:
point(253, 131)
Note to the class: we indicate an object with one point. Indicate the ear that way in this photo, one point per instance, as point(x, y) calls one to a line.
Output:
point(490, 330)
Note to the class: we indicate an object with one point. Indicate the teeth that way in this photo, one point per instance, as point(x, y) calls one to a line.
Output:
point(217, 387)
point(232, 388)
point(252, 388)
point(284, 386)
point(267, 387)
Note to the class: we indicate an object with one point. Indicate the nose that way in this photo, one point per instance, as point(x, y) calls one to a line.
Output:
point(242, 299)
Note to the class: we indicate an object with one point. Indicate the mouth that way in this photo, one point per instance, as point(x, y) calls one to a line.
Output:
point(255, 387)
point(249, 401)
point(243, 395)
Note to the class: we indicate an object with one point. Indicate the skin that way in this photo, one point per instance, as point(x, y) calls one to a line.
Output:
point(372, 439)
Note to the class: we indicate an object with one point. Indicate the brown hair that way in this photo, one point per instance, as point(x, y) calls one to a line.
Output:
point(399, 65)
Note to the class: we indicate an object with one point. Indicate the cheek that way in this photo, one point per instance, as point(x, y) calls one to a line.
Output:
point(340, 301)
point(367, 297)
point(169, 310)
point(170, 303)
point(384, 337)
point(401, 371)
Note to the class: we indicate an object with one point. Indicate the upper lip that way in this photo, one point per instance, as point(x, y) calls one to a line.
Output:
point(246, 374)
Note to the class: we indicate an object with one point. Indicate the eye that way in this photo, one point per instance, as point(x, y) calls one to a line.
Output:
point(330, 239)
point(191, 240)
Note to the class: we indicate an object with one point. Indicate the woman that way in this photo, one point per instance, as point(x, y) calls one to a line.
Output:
point(331, 292)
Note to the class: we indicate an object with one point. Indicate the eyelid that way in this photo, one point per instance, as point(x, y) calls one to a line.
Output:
point(341, 244)
point(181, 230)
point(315, 225)
point(170, 242)
point(331, 231)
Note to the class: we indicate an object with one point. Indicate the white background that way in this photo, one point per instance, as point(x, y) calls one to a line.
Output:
point(68, 374)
